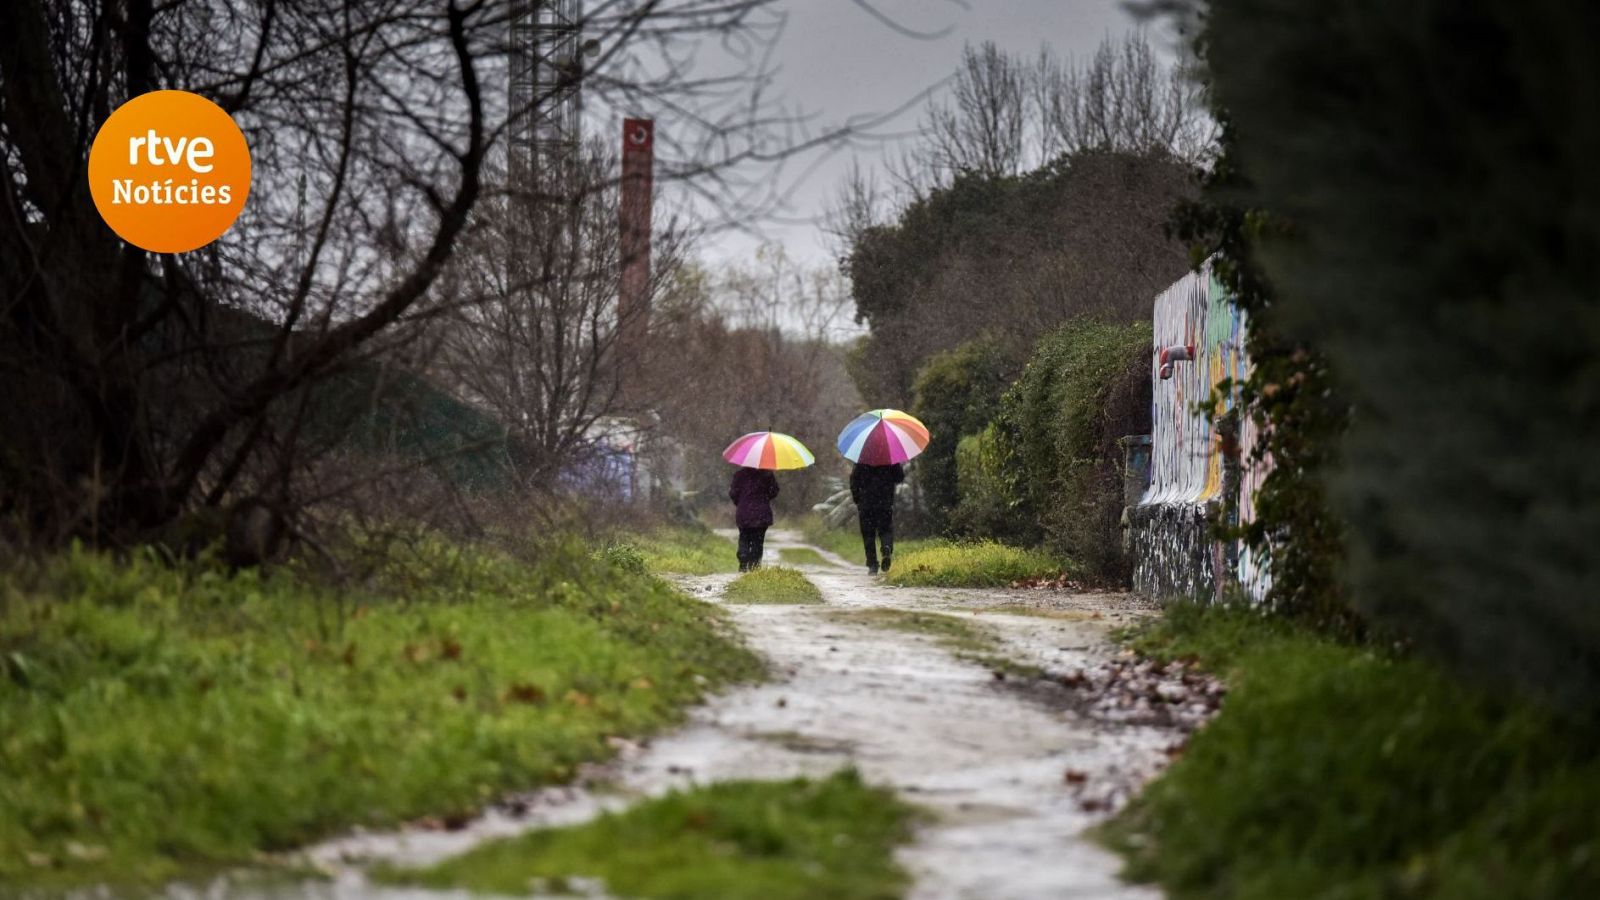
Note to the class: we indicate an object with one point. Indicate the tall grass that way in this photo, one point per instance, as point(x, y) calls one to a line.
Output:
point(679, 550)
point(980, 564)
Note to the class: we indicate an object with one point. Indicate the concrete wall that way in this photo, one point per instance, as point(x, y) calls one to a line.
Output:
point(1170, 529)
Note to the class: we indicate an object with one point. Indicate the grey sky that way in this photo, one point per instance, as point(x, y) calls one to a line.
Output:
point(838, 61)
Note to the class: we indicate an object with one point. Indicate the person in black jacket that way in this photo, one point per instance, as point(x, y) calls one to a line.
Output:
point(872, 489)
point(752, 491)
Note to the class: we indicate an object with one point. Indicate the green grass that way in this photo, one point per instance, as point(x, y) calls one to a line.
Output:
point(678, 550)
point(739, 840)
point(980, 564)
point(965, 638)
point(801, 556)
point(1335, 772)
point(772, 585)
point(159, 721)
point(844, 542)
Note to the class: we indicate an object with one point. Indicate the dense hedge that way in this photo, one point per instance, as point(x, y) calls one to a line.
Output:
point(987, 507)
point(955, 395)
point(1086, 385)
point(1446, 207)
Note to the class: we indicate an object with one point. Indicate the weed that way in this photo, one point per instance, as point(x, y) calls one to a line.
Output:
point(624, 557)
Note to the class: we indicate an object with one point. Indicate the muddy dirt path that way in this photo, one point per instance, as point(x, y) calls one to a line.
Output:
point(990, 757)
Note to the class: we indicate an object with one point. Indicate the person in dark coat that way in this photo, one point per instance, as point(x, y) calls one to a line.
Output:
point(752, 491)
point(872, 488)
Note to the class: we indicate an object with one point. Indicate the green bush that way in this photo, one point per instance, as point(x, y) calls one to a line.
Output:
point(1446, 218)
point(979, 564)
point(1333, 771)
point(159, 717)
point(1086, 386)
point(954, 395)
point(987, 507)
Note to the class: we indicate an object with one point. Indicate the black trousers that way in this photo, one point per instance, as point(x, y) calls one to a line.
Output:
point(752, 543)
point(877, 527)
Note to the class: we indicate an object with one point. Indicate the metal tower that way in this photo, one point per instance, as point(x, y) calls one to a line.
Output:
point(545, 101)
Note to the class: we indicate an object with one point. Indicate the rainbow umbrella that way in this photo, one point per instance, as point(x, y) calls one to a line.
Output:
point(883, 437)
point(768, 450)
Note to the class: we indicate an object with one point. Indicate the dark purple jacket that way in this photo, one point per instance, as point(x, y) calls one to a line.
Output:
point(752, 491)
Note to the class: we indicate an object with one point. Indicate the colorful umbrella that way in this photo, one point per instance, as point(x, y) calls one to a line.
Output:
point(768, 450)
point(883, 437)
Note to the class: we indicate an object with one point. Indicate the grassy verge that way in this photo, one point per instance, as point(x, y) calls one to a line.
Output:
point(801, 556)
point(968, 640)
point(981, 564)
point(772, 585)
point(163, 720)
point(676, 550)
point(1333, 771)
point(844, 542)
point(757, 840)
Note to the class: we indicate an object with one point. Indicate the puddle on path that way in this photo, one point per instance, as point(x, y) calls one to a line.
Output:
point(988, 759)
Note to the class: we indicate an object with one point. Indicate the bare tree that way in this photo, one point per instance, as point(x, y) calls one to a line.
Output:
point(858, 205)
point(1123, 100)
point(143, 387)
point(1006, 114)
point(758, 348)
point(536, 339)
point(980, 127)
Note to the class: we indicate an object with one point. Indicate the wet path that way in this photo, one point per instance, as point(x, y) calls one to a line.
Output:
point(988, 757)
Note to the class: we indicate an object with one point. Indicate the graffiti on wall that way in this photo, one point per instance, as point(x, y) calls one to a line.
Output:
point(1197, 355)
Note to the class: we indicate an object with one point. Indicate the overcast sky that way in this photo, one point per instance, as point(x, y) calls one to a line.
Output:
point(837, 61)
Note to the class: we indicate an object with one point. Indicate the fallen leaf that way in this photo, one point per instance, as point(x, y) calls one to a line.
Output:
point(525, 693)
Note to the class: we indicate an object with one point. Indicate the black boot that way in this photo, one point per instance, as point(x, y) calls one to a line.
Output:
point(886, 564)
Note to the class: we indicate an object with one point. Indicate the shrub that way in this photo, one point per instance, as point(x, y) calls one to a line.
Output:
point(1086, 385)
point(955, 394)
point(987, 507)
point(1446, 213)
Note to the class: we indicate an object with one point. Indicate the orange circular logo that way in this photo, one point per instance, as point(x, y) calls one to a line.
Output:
point(169, 171)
